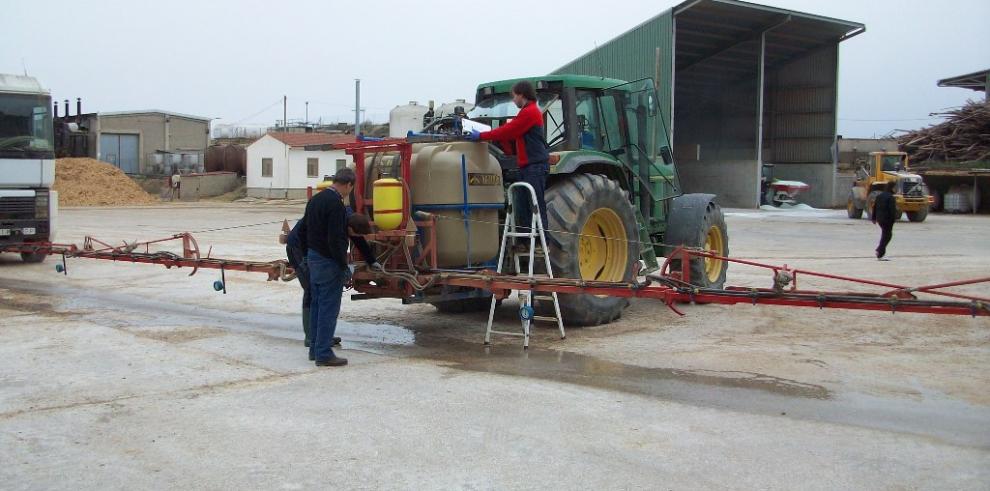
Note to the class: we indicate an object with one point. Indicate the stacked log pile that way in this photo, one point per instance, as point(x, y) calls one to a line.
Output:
point(964, 136)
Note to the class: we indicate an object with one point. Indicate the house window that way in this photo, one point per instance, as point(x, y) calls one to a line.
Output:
point(266, 167)
point(341, 163)
point(312, 167)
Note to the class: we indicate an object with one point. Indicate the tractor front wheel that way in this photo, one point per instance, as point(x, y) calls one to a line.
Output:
point(593, 236)
point(696, 221)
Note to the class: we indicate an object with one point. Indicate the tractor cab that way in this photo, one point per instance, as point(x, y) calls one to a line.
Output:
point(593, 121)
point(584, 113)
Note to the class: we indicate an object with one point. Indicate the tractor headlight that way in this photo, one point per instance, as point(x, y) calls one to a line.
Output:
point(41, 204)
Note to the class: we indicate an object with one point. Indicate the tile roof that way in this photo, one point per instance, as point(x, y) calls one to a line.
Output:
point(304, 139)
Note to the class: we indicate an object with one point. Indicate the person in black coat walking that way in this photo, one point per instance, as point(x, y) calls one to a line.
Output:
point(885, 214)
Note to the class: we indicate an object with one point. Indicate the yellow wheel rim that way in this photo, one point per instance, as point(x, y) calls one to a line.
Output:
point(603, 250)
point(714, 243)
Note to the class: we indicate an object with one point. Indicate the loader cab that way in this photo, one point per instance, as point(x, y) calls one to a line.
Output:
point(889, 162)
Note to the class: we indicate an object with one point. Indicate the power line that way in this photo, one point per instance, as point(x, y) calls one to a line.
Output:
point(277, 102)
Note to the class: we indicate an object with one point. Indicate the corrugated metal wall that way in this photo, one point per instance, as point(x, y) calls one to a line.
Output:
point(801, 108)
point(632, 56)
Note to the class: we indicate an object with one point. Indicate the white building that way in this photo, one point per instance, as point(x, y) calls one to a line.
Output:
point(280, 166)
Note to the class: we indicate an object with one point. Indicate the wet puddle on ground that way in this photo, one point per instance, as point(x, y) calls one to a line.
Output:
point(938, 416)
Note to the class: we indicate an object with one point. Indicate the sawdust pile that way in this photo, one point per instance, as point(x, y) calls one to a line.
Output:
point(90, 182)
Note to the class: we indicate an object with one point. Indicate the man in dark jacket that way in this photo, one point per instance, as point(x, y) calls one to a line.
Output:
point(295, 252)
point(326, 239)
point(532, 153)
point(884, 214)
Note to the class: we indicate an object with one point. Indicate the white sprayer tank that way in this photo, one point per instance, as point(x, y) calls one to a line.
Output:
point(447, 109)
point(446, 186)
point(403, 119)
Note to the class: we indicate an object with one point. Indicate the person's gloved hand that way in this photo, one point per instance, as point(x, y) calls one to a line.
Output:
point(474, 136)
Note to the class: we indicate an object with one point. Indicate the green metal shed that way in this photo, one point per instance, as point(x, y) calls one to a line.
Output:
point(719, 65)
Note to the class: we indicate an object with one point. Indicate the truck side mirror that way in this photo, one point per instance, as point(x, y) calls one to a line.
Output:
point(665, 154)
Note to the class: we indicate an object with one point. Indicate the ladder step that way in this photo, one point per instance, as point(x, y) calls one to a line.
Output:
point(536, 253)
point(506, 333)
point(545, 298)
point(544, 318)
point(522, 234)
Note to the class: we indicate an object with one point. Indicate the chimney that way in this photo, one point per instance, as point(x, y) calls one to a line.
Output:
point(56, 109)
point(79, 110)
point(67, 108)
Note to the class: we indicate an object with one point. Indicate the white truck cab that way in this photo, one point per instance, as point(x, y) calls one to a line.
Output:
point(28, 206)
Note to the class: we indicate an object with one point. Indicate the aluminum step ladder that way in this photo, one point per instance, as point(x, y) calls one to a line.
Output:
point(526, 297)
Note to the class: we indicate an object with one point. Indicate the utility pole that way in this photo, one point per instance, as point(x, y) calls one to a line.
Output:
point(307, 113)
point(357, 107)
point(285, 127)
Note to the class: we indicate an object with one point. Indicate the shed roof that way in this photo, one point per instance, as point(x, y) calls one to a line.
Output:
point(310, 139)
point(153, 111)
point(709, 29)
point(975, 81)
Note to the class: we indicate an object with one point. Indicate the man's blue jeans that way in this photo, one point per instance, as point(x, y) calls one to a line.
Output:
point(326, 284)
point(536, 175)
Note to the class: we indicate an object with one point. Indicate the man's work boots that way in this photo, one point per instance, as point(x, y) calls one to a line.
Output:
point(336, 342)
point(332, 362)
point(306, 329)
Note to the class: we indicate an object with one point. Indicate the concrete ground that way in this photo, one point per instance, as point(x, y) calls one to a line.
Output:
point(133, 376)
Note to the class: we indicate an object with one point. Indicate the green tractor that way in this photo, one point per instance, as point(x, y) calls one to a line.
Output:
point(613, 197)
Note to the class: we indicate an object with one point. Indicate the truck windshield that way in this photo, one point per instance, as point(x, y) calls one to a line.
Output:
point(26, 126)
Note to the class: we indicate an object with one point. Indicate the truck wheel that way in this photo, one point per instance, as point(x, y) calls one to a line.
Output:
point(29, 257)
point(593, 236)
point(696, 220)
point(851, 209)
point(918, 216)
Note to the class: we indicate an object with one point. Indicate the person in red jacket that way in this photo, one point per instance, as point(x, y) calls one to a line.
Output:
point(525, 131)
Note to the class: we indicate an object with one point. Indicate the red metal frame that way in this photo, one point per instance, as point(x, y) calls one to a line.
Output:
point(673, 288)
point(398, 259)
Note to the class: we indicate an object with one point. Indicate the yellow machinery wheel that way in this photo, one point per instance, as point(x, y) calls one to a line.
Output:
point(715, 243)
point(851, 210)
point(696, 221)
point(600, 256)
point(593, 236)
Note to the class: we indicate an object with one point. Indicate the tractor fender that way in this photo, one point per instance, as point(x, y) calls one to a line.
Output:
point(591, 163)
point(685, 210)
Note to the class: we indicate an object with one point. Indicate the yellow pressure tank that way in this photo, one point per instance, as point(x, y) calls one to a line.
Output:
point(325, 183)
point(388, 196)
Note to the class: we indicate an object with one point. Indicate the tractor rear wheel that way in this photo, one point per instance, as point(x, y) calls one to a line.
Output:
point(593, 235)
point(696, 221)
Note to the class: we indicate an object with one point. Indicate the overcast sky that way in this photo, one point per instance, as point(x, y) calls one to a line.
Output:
point(235, 59)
